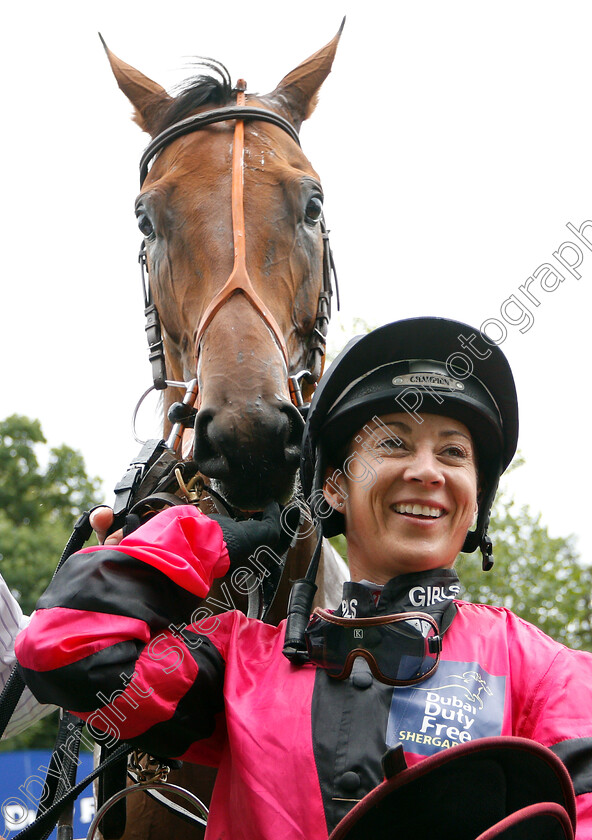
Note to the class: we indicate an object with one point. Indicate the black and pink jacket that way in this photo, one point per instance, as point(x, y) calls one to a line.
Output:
point(126, 638)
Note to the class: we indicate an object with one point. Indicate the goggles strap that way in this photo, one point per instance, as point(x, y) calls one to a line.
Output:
point(301, 598)
point(300, 607)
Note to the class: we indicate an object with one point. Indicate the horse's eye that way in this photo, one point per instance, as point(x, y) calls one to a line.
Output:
point(314, 208)
point(144, 223)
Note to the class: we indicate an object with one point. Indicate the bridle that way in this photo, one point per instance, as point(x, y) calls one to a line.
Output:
point(239, 280)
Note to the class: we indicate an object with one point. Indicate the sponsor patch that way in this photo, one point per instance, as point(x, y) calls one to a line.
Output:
point(460, 703)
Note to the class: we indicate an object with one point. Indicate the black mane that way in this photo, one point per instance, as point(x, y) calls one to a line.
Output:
point(211, 88)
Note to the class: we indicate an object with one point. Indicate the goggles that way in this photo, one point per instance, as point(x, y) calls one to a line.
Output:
point(400, 649)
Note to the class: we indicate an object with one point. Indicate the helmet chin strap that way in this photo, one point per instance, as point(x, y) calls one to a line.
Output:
point(479, 539)
point(486, 547)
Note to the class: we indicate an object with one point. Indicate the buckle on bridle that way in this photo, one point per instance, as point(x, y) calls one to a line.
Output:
point(296, 389)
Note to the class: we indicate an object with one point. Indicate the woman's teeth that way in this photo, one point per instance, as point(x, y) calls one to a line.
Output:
point(419, 510)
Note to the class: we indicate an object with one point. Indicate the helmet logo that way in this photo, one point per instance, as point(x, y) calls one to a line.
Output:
point(432, 380)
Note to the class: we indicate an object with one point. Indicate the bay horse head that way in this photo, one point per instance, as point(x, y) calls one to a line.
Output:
point(236, 251)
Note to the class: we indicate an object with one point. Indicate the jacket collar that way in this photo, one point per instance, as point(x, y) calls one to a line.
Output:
point(432, 592)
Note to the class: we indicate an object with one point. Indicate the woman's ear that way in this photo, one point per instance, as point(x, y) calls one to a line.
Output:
point(334, 489)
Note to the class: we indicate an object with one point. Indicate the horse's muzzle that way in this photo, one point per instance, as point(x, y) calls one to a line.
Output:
point(253, 453)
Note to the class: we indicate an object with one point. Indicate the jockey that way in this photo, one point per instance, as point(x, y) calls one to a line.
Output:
point(406, 438)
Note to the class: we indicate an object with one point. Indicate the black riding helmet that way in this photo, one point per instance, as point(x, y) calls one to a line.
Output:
point(429, 365)
point(420, 365)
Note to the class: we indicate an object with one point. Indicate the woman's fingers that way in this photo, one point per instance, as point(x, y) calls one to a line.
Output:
point(101, 520)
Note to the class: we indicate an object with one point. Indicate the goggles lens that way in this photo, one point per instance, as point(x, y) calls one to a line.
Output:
point(401, 649)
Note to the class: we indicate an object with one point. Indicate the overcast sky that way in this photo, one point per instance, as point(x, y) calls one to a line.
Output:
point(454, 144)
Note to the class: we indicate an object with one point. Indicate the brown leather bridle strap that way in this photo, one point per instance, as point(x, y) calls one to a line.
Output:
point(239, 280)
point(205, 118)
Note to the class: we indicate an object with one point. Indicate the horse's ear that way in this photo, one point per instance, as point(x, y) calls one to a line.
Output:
point(148, 98)
point(298, 92)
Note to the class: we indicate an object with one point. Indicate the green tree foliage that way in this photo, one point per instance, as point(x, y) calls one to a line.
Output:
point(538, 577)
point(42, 492)
point(31, 494)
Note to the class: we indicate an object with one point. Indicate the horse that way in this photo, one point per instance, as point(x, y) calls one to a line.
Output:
point(239, 284)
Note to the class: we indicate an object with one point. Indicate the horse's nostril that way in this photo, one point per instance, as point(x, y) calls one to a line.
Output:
point(208, 456)
point(226, 449)
point(202, 421)
point(293, 435)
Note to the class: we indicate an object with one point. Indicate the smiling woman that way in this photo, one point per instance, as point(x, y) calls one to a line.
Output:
point(417, 512)
point(401, 392)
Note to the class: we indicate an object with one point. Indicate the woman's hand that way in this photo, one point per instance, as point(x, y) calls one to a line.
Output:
point(243, 538)
point(101, 520)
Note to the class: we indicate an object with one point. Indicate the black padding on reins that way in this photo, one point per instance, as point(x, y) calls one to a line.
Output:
point(61, 772)
point(39, 828)
point(11, 694)
point(111, 782)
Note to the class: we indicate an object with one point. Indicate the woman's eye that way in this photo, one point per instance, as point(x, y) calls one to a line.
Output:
point(455, 452)
point(314, 209)
point(389, 444)
point(144, 223)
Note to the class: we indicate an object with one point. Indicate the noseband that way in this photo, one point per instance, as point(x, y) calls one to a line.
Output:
point(239, 280)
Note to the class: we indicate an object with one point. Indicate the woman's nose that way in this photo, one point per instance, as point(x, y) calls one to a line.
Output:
point(424, 467)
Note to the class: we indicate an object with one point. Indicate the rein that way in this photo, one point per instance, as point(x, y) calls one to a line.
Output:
point(239, 280)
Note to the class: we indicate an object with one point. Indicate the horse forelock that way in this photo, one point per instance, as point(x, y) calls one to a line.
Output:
point(204, 88)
